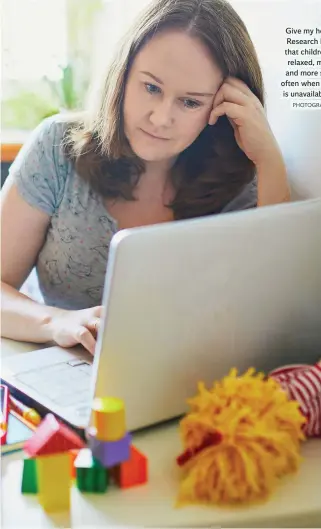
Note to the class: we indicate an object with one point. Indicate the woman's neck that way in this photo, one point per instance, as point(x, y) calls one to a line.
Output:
point(159, 167)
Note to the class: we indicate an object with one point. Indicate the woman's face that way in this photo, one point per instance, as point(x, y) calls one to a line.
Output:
point(169, 95)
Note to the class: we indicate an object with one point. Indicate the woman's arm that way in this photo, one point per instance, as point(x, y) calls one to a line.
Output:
point(254, 136)
point(23, 230)
point(30, 196)
point(272, 183)
point(23, 319)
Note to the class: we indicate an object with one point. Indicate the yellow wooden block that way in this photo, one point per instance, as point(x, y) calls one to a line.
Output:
point(109, 418)
point(54, 481)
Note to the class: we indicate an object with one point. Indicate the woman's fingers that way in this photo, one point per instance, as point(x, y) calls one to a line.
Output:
point(88, 331)
point(242, 87)
point(94, 325)
point(85, 338)
point(231, 110)
point(236, 92)
point(97, 311)
point(232, 94)
point(225, 101)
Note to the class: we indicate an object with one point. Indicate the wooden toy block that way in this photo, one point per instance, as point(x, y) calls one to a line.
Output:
point(109, 453)
point(29, 476)
point(132, 472)
point(52, 437)
point(109, 418)
point(73, 455)
point(91, 476)
point(53, 475)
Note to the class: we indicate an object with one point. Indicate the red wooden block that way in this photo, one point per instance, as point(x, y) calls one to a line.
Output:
point(132, 472)
point(52, 437)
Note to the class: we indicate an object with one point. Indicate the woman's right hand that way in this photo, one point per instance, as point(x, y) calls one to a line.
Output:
point(72, 327)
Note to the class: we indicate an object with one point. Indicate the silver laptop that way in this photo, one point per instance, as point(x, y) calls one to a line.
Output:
point(187, 301)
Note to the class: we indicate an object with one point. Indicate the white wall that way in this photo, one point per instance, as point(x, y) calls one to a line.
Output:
point(298, 131)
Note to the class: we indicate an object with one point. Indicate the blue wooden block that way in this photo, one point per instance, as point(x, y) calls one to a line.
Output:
point(109, 453)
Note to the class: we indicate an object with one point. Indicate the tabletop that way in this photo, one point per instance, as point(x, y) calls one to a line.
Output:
point(296, 502)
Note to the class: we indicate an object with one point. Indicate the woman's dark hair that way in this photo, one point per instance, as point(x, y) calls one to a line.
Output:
point(213, 169)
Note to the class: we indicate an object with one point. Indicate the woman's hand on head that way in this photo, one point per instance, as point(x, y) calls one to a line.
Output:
point(247, 117)
point(73, 327)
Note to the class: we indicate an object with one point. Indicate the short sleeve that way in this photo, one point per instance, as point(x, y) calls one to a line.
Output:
point(40, 168)
point(245, 200)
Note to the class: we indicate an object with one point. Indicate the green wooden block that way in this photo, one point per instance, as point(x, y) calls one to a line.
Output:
point(102, 480)
point(29, 476)
point(91, 476)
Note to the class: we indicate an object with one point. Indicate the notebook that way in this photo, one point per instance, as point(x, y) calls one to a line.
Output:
point(19, 431)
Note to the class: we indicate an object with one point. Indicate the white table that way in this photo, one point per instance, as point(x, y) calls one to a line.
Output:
point(296, 503)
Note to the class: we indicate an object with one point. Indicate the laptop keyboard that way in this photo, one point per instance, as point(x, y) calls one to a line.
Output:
point(65, 384)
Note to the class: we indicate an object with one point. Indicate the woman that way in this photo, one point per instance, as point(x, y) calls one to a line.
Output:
point(179, 132)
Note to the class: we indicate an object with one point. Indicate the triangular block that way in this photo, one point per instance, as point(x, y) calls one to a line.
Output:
point(52, 437)
point(132, 472)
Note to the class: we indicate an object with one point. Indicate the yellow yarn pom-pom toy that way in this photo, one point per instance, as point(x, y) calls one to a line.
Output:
point(239, 438)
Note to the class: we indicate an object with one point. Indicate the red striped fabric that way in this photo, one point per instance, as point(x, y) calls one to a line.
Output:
point(303, 384)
